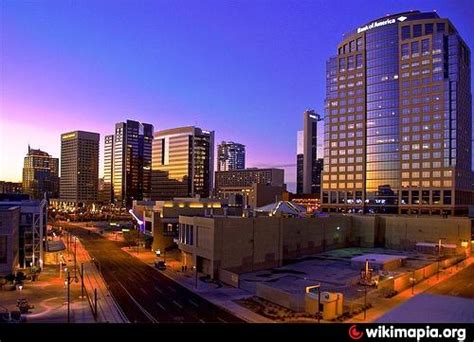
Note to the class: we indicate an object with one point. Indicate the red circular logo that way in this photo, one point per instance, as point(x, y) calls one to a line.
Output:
point(354, 333)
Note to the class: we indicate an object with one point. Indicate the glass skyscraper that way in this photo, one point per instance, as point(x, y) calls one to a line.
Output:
point(182, 163)
point(398, 119)
point(127, 162)
point(230, 156)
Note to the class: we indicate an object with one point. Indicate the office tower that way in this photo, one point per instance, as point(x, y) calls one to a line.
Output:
point(127, 162)
point(230, 156)
point(106, 193)
point(79, 168)
point(299, 162)
point(40, 174)
point(398, 118)
point(182, 163)
point(311, 166)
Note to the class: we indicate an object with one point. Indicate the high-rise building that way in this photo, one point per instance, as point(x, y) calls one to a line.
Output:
point(398, 118)
point(40, 174)
point(308, 166)
point(299, 161)
point(230, 156)
point(182, 163)
point(79, 168)
point(127, 162)
point(106, 192)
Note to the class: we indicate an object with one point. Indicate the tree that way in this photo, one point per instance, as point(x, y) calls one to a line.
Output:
point(131, 237)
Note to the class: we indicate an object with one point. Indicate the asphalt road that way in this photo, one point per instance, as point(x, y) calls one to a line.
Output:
point(459, 285)
point(143, 293)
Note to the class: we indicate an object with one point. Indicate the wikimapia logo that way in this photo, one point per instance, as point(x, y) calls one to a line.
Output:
point(389, 332)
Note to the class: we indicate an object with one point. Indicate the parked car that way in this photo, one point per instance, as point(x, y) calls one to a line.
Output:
point(161, 265)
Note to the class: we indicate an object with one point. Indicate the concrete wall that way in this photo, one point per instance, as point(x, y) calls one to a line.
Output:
point(403, 232)
point(303, 236)
point(294, 302)
point(362, 231)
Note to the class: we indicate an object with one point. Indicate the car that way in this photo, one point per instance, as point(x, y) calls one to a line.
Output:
point(161, 265)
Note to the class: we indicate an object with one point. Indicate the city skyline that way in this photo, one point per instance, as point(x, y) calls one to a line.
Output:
point(163, 87)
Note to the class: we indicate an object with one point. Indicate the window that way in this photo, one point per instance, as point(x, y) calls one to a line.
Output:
point(417, 30)
point(447, 197)
point(359, 61)
point(429, 28)
point(440, 27)
point(406, 32)
point(415, 48)
point(425, 47)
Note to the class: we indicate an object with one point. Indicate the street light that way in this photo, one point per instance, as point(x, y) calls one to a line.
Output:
point(413, 280)
point(196, 276)
point(68, 281)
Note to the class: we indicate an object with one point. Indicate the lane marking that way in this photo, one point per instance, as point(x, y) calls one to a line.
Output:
point(177, 304)
point(170, 288)
point(142, 309)
point(220, 319)
point(158, 290)
point(193, 303)
point(202, 321)
point(143, 290)
point(161, 306)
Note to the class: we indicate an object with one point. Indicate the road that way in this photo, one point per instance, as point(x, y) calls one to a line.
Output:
point(143, 293)
point(459, 285)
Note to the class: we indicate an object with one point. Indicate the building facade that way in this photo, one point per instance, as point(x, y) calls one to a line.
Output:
point(127, 162)
point(9, 242)
point(250, 188)
point(182, 163)
point(40, 174)
point(309, 155)
point(230, 156)
point(79, 182)
point(398, 119)
point(33, 215)
point(11, 187)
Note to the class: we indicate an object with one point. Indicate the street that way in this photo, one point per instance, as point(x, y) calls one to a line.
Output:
point(143, 293)
point(459, 285)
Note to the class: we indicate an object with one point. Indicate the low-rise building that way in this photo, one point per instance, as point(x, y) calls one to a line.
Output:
point(161, 218)
point(219, 245)
point(9, 230)
point(32, 229)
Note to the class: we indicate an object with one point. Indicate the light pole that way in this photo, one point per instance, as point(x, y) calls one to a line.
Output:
point(75, 258)
point(195, 276)
point(68, 297)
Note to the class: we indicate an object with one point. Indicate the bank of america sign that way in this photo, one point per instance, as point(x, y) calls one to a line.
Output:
point(376, 24)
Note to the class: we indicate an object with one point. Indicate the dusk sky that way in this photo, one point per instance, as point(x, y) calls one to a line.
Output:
point(245, 69)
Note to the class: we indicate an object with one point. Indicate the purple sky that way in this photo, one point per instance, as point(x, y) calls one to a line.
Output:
point(246, 69)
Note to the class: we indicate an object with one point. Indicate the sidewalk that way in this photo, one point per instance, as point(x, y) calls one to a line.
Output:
point(380, 306)
point(220, 295)
point(107, 308)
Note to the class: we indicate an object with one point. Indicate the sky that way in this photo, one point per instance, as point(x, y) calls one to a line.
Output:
point(246, 69)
